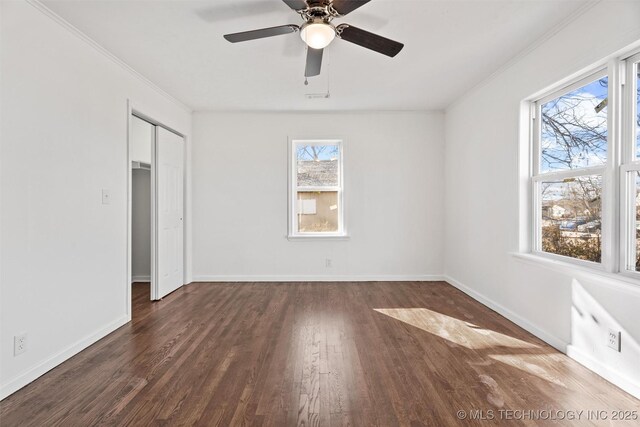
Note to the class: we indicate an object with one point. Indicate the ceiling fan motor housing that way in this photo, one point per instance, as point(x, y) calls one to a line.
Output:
point(318, 4)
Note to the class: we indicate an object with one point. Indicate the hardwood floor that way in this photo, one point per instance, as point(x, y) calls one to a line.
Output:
point(283, 354)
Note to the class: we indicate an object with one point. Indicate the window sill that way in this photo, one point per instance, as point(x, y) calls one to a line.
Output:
point(319, 237)
point(627, 281)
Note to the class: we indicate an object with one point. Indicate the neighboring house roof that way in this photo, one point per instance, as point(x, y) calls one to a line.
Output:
point(317, 174)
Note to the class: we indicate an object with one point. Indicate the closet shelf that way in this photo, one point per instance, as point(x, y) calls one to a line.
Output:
point(140, 165)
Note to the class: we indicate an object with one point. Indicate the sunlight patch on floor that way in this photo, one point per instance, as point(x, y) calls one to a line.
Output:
point(527, 363)
point(457, 331)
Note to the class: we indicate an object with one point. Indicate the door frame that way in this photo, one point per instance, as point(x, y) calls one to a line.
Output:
point(133, 111)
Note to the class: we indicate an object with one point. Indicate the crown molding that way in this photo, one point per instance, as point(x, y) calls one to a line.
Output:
point(99, 48)
point(527, 50)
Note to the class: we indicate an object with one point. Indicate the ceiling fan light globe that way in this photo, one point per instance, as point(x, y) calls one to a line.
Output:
point(318, 35)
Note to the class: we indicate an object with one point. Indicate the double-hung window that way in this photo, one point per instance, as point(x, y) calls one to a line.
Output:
point(570, 158)
point(630, 171)
point(316, 189)
point(585, 163)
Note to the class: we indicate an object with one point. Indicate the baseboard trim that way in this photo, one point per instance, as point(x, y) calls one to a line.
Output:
point(45, 366)
point(321, 278)
point(573, 352)
point(140, 279)
point(550, 339)
point(606, 372)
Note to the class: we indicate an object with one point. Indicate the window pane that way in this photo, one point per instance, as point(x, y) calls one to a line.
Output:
point(317, 211)
point(574, 128)
point(571, 217)
point(317, 165)
point(638, 110)
point(636, 234)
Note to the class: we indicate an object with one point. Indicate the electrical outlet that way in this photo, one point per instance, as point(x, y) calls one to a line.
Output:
point(327, 263)
point(19, 344)
point(613, 339)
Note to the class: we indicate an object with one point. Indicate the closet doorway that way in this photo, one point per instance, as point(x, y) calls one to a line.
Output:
point(141, 143)
point(156, 209)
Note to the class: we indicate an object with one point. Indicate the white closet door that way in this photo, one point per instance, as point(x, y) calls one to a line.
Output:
point(169, 168)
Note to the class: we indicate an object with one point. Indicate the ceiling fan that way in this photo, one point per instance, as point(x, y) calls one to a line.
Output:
point(318, 31)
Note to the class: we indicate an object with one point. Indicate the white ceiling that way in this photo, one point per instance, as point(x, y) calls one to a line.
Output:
point(450, 46)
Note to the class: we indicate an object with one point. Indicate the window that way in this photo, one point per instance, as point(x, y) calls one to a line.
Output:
point(630, 173)
point(316, 189)
point(571, 146)
point(585, 180)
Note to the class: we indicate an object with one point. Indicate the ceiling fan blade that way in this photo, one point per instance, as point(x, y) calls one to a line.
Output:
point(262, 33)
point(369, 40)
point(296, 4)
point(314, 62)
point(344, 7)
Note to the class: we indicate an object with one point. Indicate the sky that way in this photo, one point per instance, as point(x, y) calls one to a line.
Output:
point(575, 112)
point(638, 111)
point(323, 152)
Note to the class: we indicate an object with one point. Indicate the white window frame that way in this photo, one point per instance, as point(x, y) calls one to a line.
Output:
point(293, 232)
point(630, 163)
point(537, 177)
point(618, 186)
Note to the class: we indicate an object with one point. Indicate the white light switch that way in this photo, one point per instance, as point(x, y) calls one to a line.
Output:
point(106, 196)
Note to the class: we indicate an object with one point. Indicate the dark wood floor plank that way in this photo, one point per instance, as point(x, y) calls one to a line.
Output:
point(309, 354)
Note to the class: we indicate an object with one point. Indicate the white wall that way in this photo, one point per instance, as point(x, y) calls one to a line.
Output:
point(63, 139)
point(141, 225)
point(482, 206)
point(393, 196)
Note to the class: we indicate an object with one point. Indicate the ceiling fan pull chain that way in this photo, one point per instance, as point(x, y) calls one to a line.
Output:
point(306, 80)
point(328, 68)
point(328, 80)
